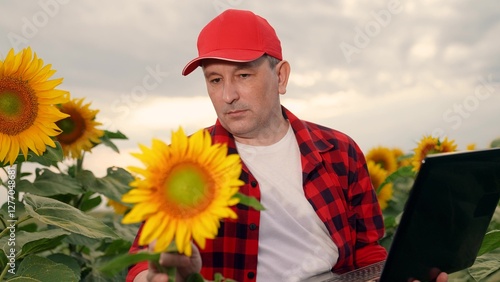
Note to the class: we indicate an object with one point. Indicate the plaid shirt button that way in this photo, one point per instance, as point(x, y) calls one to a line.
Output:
point(252, 226)
point(253, 183)
point(251, 275)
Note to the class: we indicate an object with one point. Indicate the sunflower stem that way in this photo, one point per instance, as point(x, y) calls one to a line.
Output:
point(79, 165)
point(18, 178)
point(19, 221)
point(4, 271)
point(170, 271)
point(3, 222)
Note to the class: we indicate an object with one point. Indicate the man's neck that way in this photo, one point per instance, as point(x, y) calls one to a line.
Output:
point(273, 134)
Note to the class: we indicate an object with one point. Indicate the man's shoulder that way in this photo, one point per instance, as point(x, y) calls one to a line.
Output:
point(322, 132)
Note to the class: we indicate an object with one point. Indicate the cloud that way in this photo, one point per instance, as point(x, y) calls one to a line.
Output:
point(416, 63)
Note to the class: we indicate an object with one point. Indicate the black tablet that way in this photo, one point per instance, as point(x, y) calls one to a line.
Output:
point(446, 215)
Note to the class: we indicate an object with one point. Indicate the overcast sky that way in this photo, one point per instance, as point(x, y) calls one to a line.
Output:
point(384, 72)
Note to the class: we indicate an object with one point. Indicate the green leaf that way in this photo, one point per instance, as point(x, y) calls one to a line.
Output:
point(96, 276)
point(485, 265)
point(67, 260)
point(113, 185)
point(115, 135)
point(56, 213)
point(495, 143)
point(116, 247)
point(196, 277)
point(108, 135)
point(48, 183)
point(80, 240)
point(32, 243)
point(390, 221)
point(125, 231)
point(7, 209)
point(121, 262)
point(28, 227)
point(3, 259)
point(50, 157)
point(249, 201)
point(35, 268)
point(35, 242)
point(89, 203)
point(402, 172)
point(491, 241)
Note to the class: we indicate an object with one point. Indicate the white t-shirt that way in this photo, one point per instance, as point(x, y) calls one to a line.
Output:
point(294, 244)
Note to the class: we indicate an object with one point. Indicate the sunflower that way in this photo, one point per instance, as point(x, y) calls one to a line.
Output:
point(431, 145)
point(471, 147)
point(383, 156)
point(184, 190)
point(118, 207)
point(28, 114)
point(377, 177)
point(401, 158)
point(79, 132)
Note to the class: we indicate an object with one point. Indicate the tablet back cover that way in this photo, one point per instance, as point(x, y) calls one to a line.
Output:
point(446, 215)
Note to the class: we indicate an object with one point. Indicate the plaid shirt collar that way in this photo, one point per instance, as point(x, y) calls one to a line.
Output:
point(312, 144)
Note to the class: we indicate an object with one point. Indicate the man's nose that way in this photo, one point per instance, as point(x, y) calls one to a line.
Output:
point(229, 92)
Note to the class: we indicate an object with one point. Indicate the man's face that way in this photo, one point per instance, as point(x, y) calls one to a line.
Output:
point(245, 96)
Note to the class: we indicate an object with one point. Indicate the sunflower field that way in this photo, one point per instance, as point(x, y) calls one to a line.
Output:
point(53, 226)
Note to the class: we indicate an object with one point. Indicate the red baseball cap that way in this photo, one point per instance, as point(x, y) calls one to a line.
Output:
point(236, 36)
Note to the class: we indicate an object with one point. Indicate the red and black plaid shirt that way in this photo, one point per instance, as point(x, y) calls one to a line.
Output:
point(337, 185)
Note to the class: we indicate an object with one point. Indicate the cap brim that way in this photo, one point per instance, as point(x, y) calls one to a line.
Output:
point(225, 55)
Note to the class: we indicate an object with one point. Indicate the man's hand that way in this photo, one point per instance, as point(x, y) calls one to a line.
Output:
point(185, 266)
point(442, 277)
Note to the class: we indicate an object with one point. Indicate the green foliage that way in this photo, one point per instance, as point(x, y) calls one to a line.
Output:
point(120, 262)
point(62, 232)
point(495, 143)
point(249, 201)
point(56, 213)
point(108, 135)
point(37, 268)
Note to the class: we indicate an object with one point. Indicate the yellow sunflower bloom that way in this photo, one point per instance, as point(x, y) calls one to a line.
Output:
point(400, 157)
point(377, 176)
point(431, 145)
point(471, 147)
point(383, 156)
point(118, 207)
point(79, 132)
point(184, 190)
point(28, 114)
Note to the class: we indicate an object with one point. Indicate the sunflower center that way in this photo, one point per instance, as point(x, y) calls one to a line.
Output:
point(18, 106)
point(188, 189)
point(73, 127)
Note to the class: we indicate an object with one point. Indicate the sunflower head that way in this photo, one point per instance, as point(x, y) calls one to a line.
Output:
point(28, 114)
point(377, 177)
point(384, 157)
point(431, 145)
point(79, 129)
point(118, 207)
point(183, 191)
point(471, 147)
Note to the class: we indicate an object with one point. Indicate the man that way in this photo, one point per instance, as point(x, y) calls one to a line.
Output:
point(321, 212)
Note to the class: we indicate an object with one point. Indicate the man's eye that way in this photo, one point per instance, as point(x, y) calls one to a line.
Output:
point(244, 75)
point(215, 80)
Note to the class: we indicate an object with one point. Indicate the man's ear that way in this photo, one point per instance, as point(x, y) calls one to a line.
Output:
point(283, 70)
